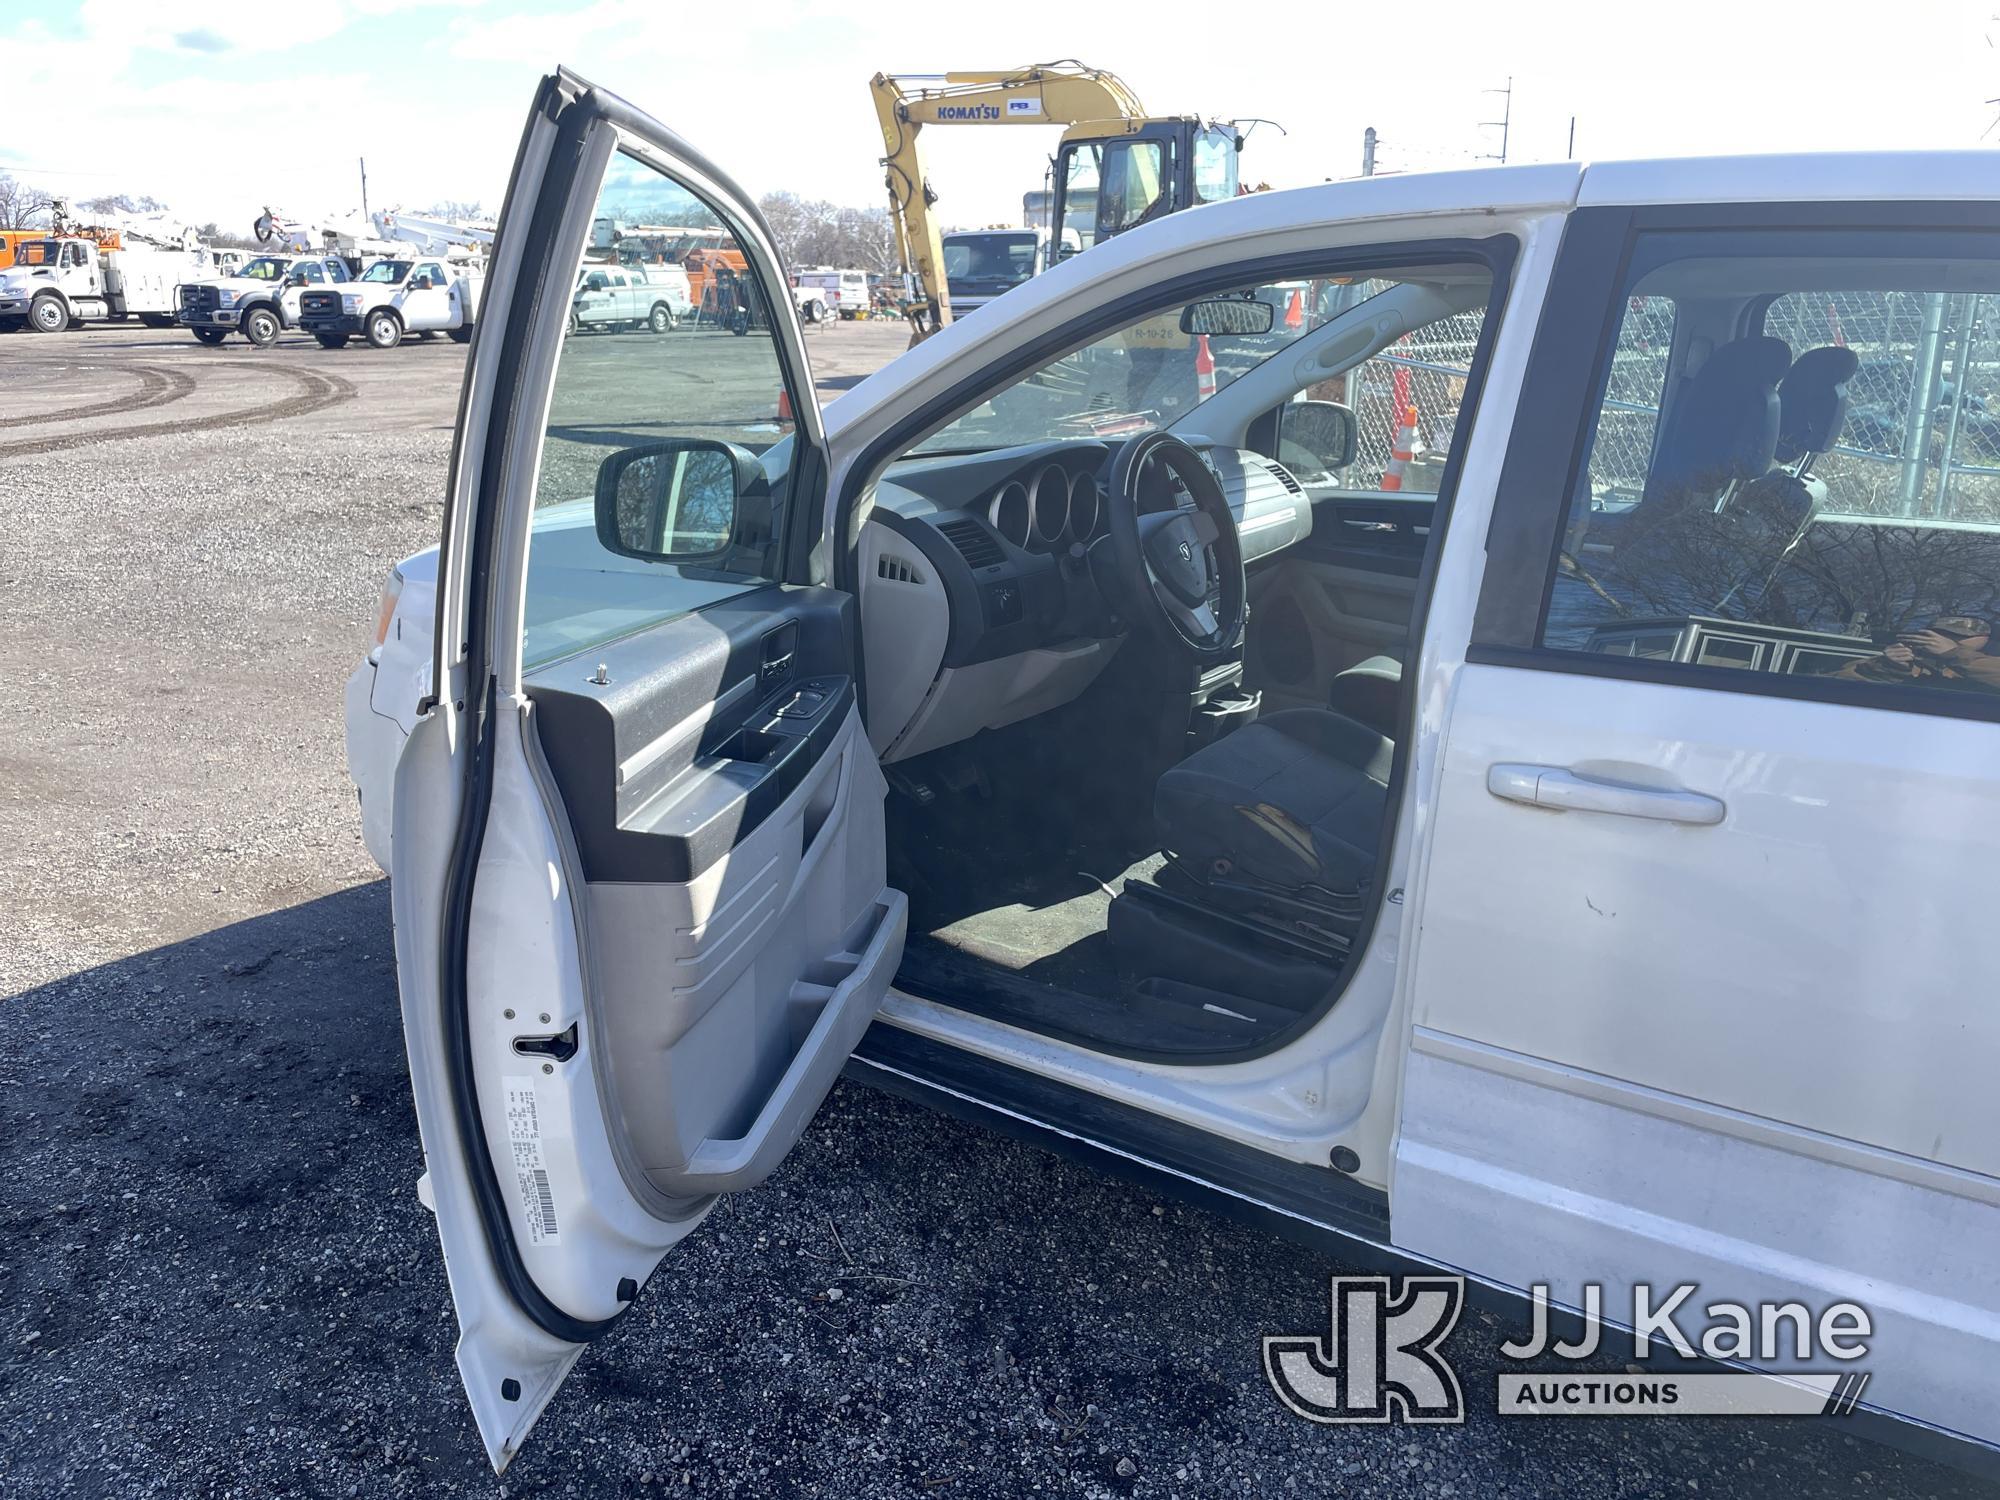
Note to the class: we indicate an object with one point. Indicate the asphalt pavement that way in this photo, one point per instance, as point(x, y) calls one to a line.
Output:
point(215, 1277)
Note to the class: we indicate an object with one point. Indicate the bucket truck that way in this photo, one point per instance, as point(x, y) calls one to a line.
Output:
point(79, 272)
point(1116, 167)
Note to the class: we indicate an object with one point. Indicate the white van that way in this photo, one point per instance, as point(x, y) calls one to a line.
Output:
point(1479, 733)
point(845, 291)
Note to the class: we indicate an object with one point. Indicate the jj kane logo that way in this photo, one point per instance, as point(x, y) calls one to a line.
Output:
point(1381, 1362)
point(1382, 1358)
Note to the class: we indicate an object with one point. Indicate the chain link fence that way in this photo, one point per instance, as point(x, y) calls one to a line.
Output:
point(1426, 370)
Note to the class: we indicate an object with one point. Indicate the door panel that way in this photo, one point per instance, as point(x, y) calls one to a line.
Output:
point(1701, 989)
point(1316, 617)
point(639, 871)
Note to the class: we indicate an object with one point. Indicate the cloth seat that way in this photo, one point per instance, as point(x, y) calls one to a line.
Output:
point(1369, 692)
point(1292, 802)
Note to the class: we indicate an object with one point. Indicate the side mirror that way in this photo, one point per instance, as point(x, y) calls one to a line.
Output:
point(1232, 316)
point(678, 500)
point(1317, 436)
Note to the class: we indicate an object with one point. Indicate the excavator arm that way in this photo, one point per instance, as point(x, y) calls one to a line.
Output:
point(1093, 103)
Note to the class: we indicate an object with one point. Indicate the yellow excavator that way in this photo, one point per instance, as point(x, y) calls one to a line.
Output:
point(1117, 166)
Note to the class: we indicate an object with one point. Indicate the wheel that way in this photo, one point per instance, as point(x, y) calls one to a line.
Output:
point(211, 336)
point(382, 329)
point(575, 323)
point(739, 323)
point(662, 319)
point(462, 335)
point(46, 314)
point(260, 325)
point(331, 340)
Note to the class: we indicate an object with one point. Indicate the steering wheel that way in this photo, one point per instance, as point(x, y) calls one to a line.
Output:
point(1180, 571)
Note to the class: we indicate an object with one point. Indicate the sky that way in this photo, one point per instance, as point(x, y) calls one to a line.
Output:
point(220, 109)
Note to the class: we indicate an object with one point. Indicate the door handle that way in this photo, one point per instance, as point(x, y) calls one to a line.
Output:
point(1563, 790)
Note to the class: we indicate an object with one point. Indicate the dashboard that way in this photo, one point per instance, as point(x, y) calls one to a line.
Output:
point(1009, 534)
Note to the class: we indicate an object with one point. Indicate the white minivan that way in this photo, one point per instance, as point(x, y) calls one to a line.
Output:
point(1461, 711)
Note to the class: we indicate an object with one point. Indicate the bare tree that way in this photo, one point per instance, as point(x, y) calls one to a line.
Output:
point(122, 203)
point(814, 232)
point(22, 206)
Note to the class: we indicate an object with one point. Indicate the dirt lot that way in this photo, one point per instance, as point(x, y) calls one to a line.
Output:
point(215, 1278)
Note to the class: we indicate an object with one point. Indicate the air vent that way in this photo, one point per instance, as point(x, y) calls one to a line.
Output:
point(898, 569)
point(975, 544)
point(1284, 477)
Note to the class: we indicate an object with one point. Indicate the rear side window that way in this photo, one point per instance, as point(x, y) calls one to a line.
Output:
point(1792, 469)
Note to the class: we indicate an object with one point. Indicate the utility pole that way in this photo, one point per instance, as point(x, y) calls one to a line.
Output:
point(1572, 137)
point(1504, 123)
point(1368, 152)
point(364, 187)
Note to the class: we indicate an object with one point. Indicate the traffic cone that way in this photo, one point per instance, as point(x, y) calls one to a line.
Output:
point(785, 412)
point(1295, 311)
point(1204, 369)
point(1403, 450)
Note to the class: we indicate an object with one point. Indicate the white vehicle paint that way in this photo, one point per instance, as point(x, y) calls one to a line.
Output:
point(259, 300)
point(1677, 977)
point(842, 292)
point(633, 297)
point(392, 298)
point(61, 280)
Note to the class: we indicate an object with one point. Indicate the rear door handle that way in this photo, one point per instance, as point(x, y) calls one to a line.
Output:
point(1563, 790)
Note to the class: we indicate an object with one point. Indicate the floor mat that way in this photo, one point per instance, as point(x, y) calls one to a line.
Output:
point(1047, 926)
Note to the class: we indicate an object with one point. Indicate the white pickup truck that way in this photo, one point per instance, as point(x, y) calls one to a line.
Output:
point(630, 297)
point(1569, 881)
point(259, 300)
point(389, 299)
point(63, 280)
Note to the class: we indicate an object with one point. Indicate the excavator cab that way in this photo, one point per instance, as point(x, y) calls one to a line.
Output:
point(1136, 172)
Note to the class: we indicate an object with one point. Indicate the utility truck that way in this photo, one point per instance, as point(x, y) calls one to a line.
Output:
point(389, 299)
point(259, 301)
point(76, 273)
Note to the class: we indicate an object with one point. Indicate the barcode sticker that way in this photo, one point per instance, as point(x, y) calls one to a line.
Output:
point(531, 1173)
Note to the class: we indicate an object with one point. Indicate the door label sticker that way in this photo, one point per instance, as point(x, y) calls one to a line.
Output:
point(531, 1172)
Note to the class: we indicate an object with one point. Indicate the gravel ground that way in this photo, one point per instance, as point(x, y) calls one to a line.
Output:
point(215, 1278)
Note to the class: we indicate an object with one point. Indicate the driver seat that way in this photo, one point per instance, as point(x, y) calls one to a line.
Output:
point(1285, 812)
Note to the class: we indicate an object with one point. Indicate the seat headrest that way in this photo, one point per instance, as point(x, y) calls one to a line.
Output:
point(1812, 401)
point(1726, 421)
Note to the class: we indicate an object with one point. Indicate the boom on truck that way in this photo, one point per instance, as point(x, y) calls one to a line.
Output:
point(76, 272)
point(1116, 167)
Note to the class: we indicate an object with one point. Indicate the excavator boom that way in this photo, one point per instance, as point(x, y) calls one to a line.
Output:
point(1155, 162)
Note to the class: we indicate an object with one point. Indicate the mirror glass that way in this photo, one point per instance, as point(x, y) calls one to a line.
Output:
point(675, 500)
point(1316, 439)
point(1228, 315)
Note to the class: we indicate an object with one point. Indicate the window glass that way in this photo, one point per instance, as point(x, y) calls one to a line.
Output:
point(1793, 470)
point(1150, 374)
point(309, 272)
point(433, 270)
point(1214, 166)
point(684, 434)
point(1407, 397)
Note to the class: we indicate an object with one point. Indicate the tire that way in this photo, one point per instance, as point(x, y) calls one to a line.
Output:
point(331, 340)
point(661, 319)
point(260, 325)
point(211, 336)
point(462, 335)
point(739, 323)
point(46, 314)
point(382, 330)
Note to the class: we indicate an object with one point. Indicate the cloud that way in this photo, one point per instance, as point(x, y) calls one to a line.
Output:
point(201, 39)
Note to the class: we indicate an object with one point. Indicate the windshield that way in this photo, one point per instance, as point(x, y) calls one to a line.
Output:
point(1005, 259)
point(391, 271)
point(1146, 375)
point(264, 268)
point(35, 253)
